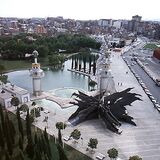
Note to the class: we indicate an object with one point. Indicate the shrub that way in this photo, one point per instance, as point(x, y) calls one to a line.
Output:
point(112, 153)
point(135, 158)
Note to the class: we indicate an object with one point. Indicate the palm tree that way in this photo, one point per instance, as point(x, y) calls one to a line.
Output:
point(93, 143)
point(75, 134)
point(15, 102)
point(59, 126)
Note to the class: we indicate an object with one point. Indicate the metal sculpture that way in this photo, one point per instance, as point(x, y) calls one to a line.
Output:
point(111, 109)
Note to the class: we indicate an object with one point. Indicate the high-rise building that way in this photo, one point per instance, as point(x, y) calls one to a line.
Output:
point(136, 18)
point(134, 23)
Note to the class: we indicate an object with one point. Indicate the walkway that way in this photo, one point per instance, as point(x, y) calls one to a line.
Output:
point(62, 102)
point(142, 140)
point(80, 72)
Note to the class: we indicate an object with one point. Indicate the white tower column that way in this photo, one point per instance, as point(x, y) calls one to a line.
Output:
point(37, 74)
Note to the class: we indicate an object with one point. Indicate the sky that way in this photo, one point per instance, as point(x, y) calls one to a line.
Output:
point(81, 9)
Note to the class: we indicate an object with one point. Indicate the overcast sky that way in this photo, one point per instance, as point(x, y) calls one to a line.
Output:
point(81, 9)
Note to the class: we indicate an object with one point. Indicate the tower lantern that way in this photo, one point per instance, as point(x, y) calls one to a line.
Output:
point(36, 73)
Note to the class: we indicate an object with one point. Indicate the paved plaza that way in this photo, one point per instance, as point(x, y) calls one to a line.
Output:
point(142, 140)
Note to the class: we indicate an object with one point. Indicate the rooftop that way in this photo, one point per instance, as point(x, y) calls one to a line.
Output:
point(14, 89)
point(5, 95)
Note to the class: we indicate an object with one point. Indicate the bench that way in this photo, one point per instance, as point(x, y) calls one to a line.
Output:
point(66, 138)
point(100, 156)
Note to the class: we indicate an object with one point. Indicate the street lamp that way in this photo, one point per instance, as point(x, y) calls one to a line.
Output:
point(82, 141)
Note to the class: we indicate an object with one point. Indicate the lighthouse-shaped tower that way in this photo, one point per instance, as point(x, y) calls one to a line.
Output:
point(36, 73)
point(105, 79)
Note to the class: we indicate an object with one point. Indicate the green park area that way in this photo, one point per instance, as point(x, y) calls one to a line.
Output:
point(15, 64)
point(13, 50)
point(150, 46)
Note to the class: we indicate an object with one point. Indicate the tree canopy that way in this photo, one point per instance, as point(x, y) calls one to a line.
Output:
point(16, 47)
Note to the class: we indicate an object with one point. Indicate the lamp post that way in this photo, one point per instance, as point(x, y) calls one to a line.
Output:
point(82, 141)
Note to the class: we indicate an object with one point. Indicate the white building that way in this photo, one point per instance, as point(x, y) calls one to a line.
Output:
point(117, 24)
point(114, 40)
point(5, 99)
point(9, 90)
point(105, 22)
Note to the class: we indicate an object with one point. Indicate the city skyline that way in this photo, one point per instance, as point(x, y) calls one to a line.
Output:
point(80, 10)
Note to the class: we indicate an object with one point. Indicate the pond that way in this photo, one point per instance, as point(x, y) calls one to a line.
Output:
point(65, 92)
point(53, 79)
point(55, 108)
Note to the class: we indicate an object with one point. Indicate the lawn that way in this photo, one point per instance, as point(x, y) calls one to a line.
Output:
point(14, 65)
point(150, 46)
point(20, 64)
point(71, 153)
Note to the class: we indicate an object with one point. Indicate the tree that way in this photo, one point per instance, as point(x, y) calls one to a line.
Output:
point(93, 143)
point(46, 142)
point(28, 124)
point(76, 134)
point(8, 135)
point(60, 126)
point(2, 119)
point(33, 103)
point(20, 142)
point(20, 155)
point(62, 155)
point(90, 63)
point(72, 63)
point(80, 66)
point(35, 112)
point(135, 158)
point(92, 84)
point(2, 69)
point(20, 127)
point(94, 68)
point(84, 64)
point(7, 157)
point(38, 155)
point(54, 60)
point(15, 102)
point(24, 108)
point(4, 78)
point(30, 147)
point(2, 141)
point(112, 153)
point(43, 50)
point(12, 130)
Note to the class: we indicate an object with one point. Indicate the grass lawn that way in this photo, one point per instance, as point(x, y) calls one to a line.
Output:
point(19, 64)
point(14, 65)
point(150, 46)
point(71, 153)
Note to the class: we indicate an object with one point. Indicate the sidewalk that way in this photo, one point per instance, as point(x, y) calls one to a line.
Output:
point(142, 140)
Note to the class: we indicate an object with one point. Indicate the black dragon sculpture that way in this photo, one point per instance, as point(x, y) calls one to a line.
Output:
point(111, 109)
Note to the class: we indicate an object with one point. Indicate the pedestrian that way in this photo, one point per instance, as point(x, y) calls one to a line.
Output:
point(121, 84)
point(118, 83)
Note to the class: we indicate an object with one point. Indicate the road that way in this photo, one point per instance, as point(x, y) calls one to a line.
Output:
point(150, 84)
